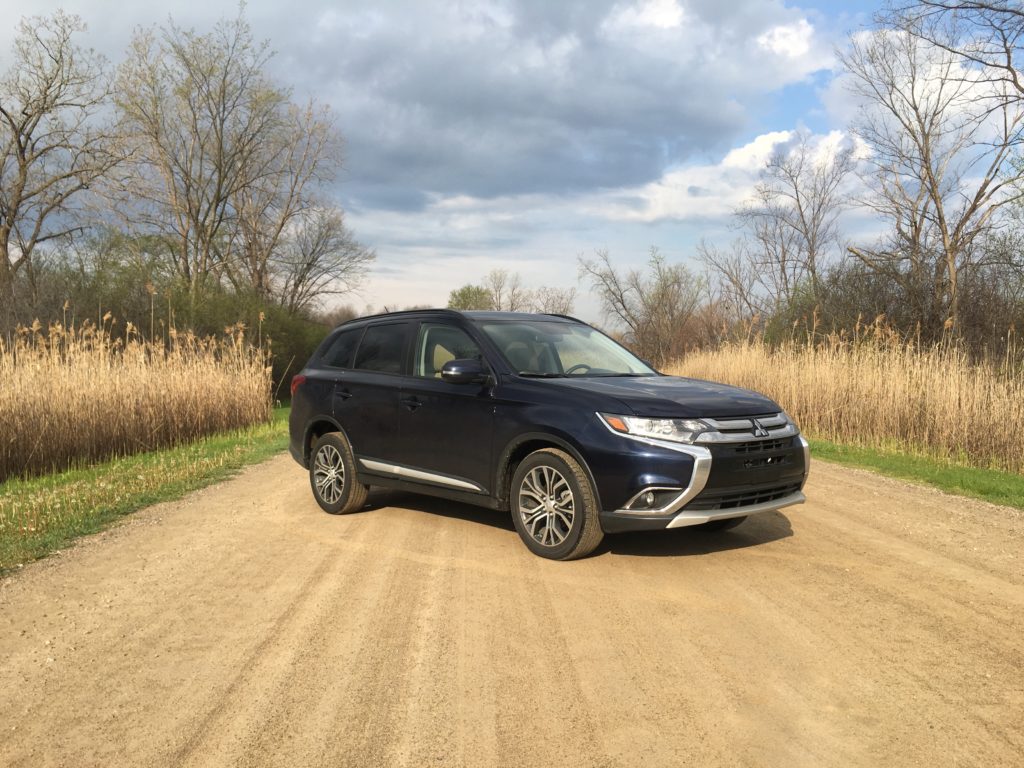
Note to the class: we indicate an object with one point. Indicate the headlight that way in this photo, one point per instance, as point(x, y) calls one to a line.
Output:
point(674, 430)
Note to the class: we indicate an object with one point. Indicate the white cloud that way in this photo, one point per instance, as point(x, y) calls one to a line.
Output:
point(713, 191)
point(753, 155)
point(459, 238)
point(700, 191)
point(661, 14)
point(788, 40)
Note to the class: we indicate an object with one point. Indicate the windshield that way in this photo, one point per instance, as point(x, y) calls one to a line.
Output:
point(547, 348)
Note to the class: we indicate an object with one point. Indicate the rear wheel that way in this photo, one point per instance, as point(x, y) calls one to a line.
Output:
point(721, 525)
point(332, 475)
point(554, 507)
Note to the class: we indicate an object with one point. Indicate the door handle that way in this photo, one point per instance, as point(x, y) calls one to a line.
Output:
point(344, 394)
point(412, 403)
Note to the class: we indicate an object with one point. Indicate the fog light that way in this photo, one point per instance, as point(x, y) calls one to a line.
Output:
point(652, 499)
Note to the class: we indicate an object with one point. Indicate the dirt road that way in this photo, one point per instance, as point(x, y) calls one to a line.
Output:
point(879, 625)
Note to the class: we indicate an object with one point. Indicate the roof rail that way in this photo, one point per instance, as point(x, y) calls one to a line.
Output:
point(448, 312)
point(565, 317)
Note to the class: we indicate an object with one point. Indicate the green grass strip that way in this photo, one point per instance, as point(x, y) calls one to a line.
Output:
point(41, 515)
point(991, 485)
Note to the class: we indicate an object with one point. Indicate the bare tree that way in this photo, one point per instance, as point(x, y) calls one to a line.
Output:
point(793, 215)
point(281, 181)
point(198, 113)
point(507, 291)
point(553, 301)
point(941, 139)
point(988, 34)
point(321, 259)
point(737, 286)
point(790, 233)
point(654, 307)
point(229, 171)
point(53, 145)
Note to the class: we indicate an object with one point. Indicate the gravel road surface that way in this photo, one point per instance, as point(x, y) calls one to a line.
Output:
point(881, 624)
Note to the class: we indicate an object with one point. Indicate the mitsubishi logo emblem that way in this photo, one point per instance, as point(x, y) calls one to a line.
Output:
point(759, 430)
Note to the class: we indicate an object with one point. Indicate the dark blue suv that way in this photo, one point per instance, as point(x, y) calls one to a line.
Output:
point(540, 415)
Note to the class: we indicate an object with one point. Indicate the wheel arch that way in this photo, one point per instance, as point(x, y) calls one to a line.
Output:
point(321, 425)
point(521, 447)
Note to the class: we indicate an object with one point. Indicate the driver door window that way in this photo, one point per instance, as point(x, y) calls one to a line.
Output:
point(438, 344)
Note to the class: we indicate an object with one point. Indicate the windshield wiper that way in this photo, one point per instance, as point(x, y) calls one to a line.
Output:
point(541, 375)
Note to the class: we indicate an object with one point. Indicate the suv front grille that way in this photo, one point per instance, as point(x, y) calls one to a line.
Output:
point(772, 427)
point(745, 499)
point(758, 446)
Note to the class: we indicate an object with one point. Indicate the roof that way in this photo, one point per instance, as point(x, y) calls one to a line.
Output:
point(484, 315)
point(470, 314)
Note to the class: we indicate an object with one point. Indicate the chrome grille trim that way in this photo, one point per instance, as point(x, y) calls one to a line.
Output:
point(733, 430)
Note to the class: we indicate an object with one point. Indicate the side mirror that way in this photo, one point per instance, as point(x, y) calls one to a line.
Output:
point(466, 371)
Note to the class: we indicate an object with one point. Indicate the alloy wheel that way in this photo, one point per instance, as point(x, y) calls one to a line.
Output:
point(329, 473)
point(547, 505)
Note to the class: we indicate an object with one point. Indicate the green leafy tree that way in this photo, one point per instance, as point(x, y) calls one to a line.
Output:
point(470, 297)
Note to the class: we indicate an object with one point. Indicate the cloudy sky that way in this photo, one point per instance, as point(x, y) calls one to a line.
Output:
point(523, 133)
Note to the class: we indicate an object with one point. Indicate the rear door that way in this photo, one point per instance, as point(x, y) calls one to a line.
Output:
point(366, 396)
point(446, 429)
point(325, 372)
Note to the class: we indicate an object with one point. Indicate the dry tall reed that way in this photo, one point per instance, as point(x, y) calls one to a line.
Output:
point(876, 390)
point(72, 395)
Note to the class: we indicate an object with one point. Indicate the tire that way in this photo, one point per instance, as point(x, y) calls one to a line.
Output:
point(332, 476)
point(721, 525)
point(554, 507)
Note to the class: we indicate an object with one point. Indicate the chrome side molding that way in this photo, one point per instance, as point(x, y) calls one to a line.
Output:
point(418, 474)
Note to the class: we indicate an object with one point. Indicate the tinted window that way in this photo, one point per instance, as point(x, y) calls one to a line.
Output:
point(438, 344)
point(339, 354)
point(382, 348)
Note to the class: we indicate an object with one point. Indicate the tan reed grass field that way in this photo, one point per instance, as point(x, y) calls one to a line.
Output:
point(73, 395)
point(878, 392)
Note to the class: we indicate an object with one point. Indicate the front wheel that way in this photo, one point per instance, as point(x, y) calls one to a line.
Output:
point(332, 475)
point(554, 507)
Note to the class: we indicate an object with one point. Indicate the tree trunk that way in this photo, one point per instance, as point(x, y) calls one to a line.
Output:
point(953, 321)
point(6, 289)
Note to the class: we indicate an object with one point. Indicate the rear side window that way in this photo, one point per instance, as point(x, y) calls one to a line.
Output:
point(339, 354)
point(382, 348)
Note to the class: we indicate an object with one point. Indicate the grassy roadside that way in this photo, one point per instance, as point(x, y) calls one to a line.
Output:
point(40, 515)
point(990, 485)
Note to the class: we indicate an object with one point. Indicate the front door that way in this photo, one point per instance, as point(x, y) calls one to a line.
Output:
point(447, 430)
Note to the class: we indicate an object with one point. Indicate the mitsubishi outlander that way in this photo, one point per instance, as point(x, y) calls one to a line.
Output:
point(541, 416)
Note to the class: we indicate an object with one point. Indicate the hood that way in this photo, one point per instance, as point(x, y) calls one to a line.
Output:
point(673, 396)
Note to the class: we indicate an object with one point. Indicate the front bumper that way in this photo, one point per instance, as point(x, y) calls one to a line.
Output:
point(697, 517)
point(726, 482)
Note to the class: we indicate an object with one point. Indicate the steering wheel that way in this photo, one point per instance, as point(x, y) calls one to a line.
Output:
point(577, 367)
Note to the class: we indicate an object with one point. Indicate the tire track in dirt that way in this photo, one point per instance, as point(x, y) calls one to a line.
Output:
point(879, 624)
